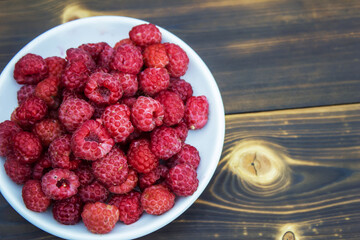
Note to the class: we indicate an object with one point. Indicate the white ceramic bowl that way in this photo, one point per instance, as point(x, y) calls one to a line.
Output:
point(110, 29)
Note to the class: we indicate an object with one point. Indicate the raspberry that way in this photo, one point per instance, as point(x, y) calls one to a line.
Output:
point(27, 145)
point(182, 130)
point(56, 66)
point(7, 130)
point(68, 211)
point(129, 206)
point(103, 88)
point(33, 196)
point(91, 141)
point(30, 69)
point(80, 55)
point(165, 142)
point(128, 185)
point(178, 60)
point(105, 58)
point(32, 110)
point(147, 113)
point(123, 42)
point(127, 58)
point(196, 112)
point(85, 174)
point(116, 119)
point(67, 93)
point(129, 83)
point(188, 154)
point(128, 101)
point(140, 156)
point(173, 107)
point(153, 177)
point(17, 171)
point(182, 179)
point(94, 49)
point(74, 112)
point(153, 80)
point(75, 75)
point(48, 91)
point(181, 87)
point(25, 92)
point(61, 155)
point(112, 169)
point(42, 166)
point(157, 200)
point(145, 34)
point(47, 130)
point(100, 217)
point(60, 183)
point(94, 192)
point(155, 56)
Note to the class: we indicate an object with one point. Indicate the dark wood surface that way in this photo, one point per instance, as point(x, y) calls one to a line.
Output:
point(289, 75)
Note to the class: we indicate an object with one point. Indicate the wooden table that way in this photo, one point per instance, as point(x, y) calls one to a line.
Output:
point(289, 75)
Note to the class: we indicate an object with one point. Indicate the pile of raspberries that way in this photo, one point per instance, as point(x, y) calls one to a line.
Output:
point(99, 135)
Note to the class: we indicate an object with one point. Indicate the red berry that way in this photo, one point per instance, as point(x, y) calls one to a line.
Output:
point(32, 110)
point(147, 113)
point(33, 196)
point(155, 56)
point(68, 211)
point(196, 112)
point(79, 55)
point(30, 69)
point(47, 130)
point(27, 145)
point(75, 75)
point(165, 143)
point(42, 166)
point(129, 184)
point(182, 130)
point(94, 49)
point(173, 107)
point(182, 179)
point(61, 155)
point(56, 66)
point(127, 58)
point(25, 92)
point(153, 80)
point(99, 217)
point(116, 119)
point(74, 112)
point(153, 177)
point(129, 206)
point(91, 141)
point(181, 87)
point(105, 58)
point(85, 174)
point(94, 192)
point(188, 154)
point(178, 60)
point(103, 88)
point(123, 42)
point(7, 130)
point(140, 156)
point(157, 200)
point(17, 171)
point(145, 34)
point(129, 83)
point(48, 91)
point(60, 183)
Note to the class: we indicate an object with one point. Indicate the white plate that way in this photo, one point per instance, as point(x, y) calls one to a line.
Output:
point(111, 29)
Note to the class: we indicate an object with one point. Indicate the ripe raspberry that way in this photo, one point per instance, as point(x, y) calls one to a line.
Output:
point(91, 141)
point(94, 192)
point(48, 91)
point(112, 169)
point(100, 217)
point(147, 113)
point(127, 58)
point(105, 58)
point(182, 130)
point(61, 155)
point(165, 143)
point(32, 110)
point(116, 119)
point(47, 130)
point(123, 42)
point(173, 107)
point(66, 94)
point(129, 83)
point(7, 130)
point(56, 66)
point(60, 184)
point(145, 34)
point(157, 200)
point(181, 87)
point(129, 184)
point(178, 60)
point(30, 69)
point(196, 112)
point(188, 154)
point(155, 56)
point(85, 174)
point(17, 171)
point(74, 112)
point(33, 196)
point(42, 166)
point(154, 177)
point(75, 75)
point(25, 92)
point(140, 156)
point(68, 211)
point(153, 80)
point(94, 49)
point(103, 88)
point(182, 179)
point(80, 55)
point(129, 206)
point(128, 101)
point(27, 145)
